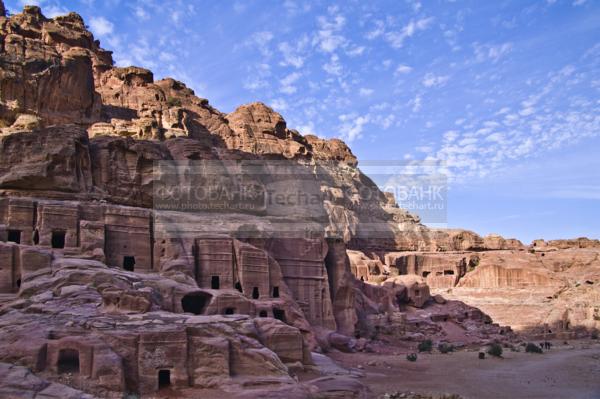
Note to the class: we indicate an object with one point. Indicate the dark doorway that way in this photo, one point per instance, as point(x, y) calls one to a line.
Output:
point(275, 292)
point(129, 263)
point(215, 283)
point(425, 274)
point(279, 314)
point(263, 313)
point(14, 236)
point(18, 283)
point(195, 303)
point(255, 293)
point(36, 237)
point(448, 272)
point(164, 378)
point(238, 287)
point(229, 311)
point(68, 361)
point(58, 238)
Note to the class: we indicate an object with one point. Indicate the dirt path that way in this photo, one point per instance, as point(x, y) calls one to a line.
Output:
point(559, 373)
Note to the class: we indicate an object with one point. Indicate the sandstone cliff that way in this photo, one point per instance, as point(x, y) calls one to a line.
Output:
point(103, 278)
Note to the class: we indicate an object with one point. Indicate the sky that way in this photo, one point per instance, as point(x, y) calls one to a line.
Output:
point(501, 98)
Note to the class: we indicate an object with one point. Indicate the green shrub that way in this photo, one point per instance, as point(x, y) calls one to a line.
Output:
point(445, 348)
point(425, 346)
point(533, 348)
point(495, 350)
point(173, 102)
point(411, 357)
point(481, 355)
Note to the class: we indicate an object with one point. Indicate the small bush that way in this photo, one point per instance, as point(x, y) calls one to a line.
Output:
point(495, 350)
point(595, 334)
point(445, 348)
point(533, 348)
point(173, 102)
point(425, 346)
point(481, 355)
point(411, 357)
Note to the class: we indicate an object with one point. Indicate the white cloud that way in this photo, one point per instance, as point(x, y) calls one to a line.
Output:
point(417, 103)
point(527, 111)
point(175, 15)
point(578, 2)
point(396, 38)
point(403, 69)
point(329, 42)
point(450, 136)
point(365, 92)
point(255, 83)
point(333, 67)
point(356, 51)
point(491, 52)
point(261, 40)
point(279, 104)
point(287, 83)
point(432, 80)
point(307, 128)
point(293, 8)
point(141, 13)
point(165, 56)
point(548, 119)
point(383, 120)
point(101, 26)
point(352, 126)
point(328, 39)
point(257, 77)
point(377, 31)
point(294, 54)
point(52, 11)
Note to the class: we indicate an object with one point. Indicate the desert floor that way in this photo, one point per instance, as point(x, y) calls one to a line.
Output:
point(565, 371)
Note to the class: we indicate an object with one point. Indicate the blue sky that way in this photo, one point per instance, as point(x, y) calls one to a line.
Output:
point(502, 96)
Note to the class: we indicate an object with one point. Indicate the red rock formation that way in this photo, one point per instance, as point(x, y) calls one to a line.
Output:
point(106, 282)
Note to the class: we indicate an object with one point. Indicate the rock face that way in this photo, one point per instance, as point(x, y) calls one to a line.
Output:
point(544, 290)
point(149, 241)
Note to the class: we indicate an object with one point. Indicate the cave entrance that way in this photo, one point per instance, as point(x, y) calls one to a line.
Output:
point(275, 292)
point(195, 303)
point(58, 239)
point(401, 298)
point(68, 361)
point(129, 263)
point(238, 287)
point(331, 265)
point(36, 237)
point(255, 293)
point(14, 236)
point(448, 272)
point(279, 314)
point(215, 282)
point(164, 379)
point(263, 313)
point(425, 274)
point(229, 311)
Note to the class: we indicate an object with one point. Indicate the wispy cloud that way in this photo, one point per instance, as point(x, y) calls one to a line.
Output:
point(396, 38)
point(491, 52)
point(352, 126)
point(432, 80)
point(101, 26)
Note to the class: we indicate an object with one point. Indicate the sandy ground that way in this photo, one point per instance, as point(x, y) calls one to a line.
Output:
point(563, 372)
